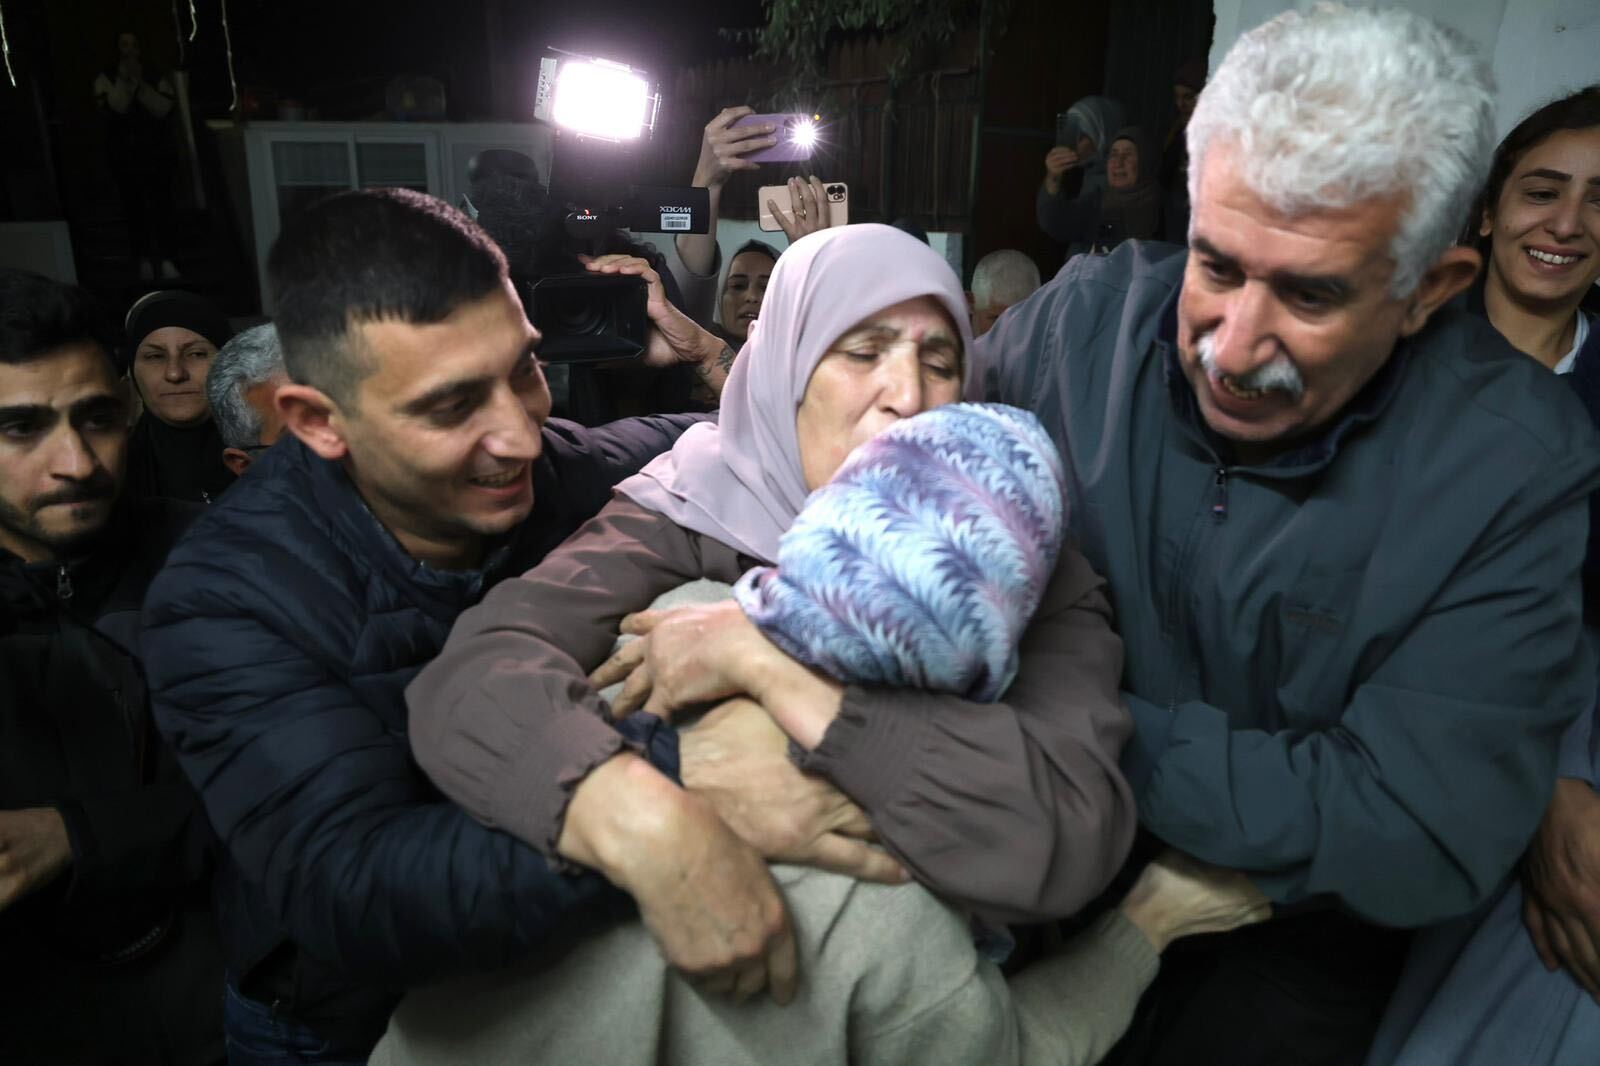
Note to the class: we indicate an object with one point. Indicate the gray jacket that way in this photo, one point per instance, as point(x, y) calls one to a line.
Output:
point(1349, 669)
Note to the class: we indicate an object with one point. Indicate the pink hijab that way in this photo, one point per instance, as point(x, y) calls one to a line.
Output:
point(740, 480)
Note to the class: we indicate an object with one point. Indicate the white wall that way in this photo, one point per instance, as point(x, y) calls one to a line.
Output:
point(1540, 49)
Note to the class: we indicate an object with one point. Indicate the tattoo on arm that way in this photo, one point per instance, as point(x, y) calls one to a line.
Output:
point(723, 362)
point(712, 375)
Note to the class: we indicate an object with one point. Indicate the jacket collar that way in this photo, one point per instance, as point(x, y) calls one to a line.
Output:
point(1310, 455)
point(78, 584)
point(336, 497)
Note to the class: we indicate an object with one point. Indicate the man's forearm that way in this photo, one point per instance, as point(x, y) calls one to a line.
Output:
point(712, 372)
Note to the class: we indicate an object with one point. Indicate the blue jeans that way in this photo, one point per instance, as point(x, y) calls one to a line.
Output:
point(258, 1036)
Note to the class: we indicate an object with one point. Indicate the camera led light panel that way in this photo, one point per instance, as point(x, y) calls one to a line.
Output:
point(597, 98)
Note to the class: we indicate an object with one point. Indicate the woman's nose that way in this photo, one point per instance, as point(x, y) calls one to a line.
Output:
point(900, 385)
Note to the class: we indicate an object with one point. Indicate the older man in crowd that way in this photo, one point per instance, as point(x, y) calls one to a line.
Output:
point(999, 280)
point(241, 387)
point(1342, 526)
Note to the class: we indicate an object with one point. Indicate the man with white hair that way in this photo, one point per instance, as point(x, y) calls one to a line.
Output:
point(999, 280)
point(1342, 525)
point(240, 388)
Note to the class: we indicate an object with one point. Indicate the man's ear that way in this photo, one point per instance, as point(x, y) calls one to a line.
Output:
point(311, 415)
point(237, 460)
point(1450, 274)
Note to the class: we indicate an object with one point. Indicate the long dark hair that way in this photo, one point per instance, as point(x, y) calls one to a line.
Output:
point(1580, 111)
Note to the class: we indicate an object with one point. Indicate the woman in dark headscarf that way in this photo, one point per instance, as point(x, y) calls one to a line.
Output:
point(1081, 152)
point(1127, 208)
point(171, 339)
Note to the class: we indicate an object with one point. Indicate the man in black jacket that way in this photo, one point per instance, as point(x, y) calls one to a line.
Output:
point(420, 470)
point(110, 953)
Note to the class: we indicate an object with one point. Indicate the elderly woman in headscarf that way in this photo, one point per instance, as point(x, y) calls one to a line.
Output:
point(171, 338)
point(1127, 207)
point(862, 326)
point(926, 641)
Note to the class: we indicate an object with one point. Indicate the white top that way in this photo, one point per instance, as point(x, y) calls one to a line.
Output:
point(1580, 335)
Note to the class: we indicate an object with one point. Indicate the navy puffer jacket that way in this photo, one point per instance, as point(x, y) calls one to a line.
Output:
point(279, 641)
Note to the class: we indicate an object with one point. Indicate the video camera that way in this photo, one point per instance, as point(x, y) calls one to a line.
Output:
point(544, 225)
point(585, 318)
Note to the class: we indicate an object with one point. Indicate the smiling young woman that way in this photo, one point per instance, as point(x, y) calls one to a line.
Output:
point(1540, 226)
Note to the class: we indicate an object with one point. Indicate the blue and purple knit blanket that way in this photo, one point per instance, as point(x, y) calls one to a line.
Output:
point(922, 562)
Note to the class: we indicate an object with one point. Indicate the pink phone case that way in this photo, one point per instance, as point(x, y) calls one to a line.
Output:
point(787, 150)
point(837, 193)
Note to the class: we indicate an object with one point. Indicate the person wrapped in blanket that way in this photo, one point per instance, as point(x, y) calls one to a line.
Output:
point(922, 562)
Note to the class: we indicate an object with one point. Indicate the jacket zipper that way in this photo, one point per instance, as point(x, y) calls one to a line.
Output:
point(1219, 502)
point(63, 584)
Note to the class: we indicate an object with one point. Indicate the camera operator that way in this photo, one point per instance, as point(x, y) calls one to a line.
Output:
point(683, 366)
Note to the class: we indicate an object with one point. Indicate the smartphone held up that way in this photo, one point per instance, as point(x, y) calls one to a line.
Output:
point(796, 137)
point(836, 202)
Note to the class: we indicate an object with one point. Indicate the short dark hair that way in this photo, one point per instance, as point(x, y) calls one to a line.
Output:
point(1579, 111)
point(373, 255)
point(39, 316)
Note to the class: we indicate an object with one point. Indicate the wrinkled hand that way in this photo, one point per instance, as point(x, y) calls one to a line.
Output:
point(705, 895)
point(1060, 160)
point(711, 903)
point(684, 657)
point(1177, 895)
point(723, 147)
point(34, 850)
point(738, 759)
point(808, 209)
point(1561, 884)
point(674, 336)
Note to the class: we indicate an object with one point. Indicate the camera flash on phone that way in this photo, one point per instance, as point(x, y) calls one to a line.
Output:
point(804, 134)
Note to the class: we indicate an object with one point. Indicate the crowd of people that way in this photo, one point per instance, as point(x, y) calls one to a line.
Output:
point(1107, 181)
point(1186, 660)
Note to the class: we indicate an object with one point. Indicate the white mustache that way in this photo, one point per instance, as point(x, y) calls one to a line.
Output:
point(1280, 374)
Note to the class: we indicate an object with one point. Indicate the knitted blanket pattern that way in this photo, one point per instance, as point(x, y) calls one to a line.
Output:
point(922, 562)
